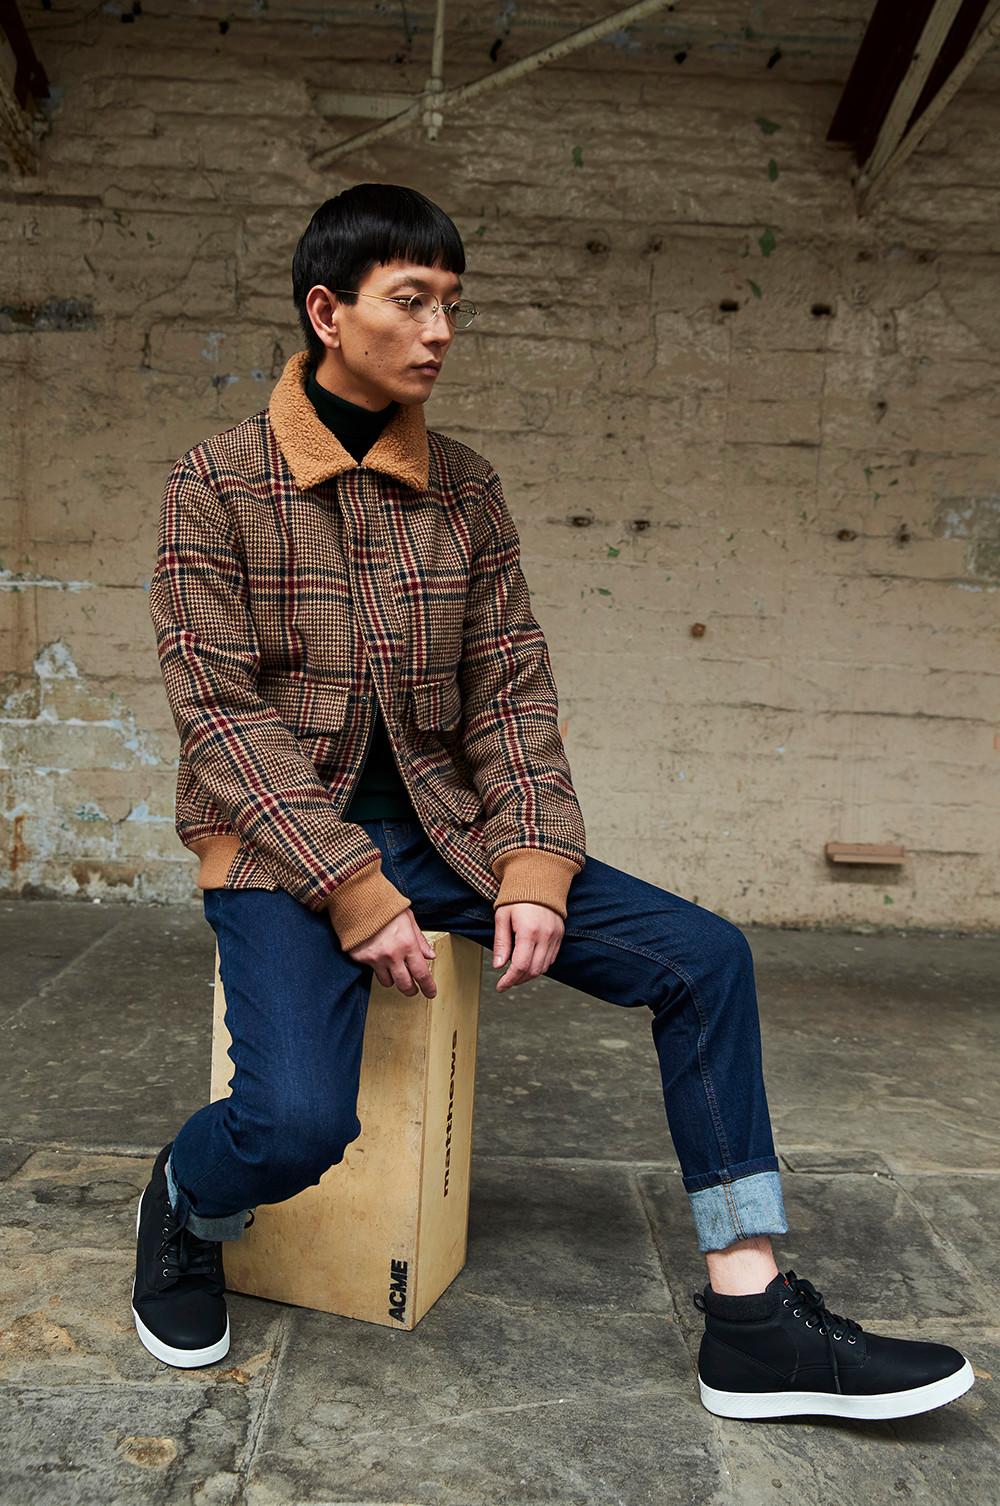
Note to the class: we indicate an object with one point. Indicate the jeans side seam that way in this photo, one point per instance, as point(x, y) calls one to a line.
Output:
point(730, 1199)
point(390, 854)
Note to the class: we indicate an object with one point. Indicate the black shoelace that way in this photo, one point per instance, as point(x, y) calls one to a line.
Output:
point(185, 1253)
point(182, 1253)
point(809, 1298)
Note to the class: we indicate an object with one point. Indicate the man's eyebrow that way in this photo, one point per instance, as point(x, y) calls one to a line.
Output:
point(406, 279)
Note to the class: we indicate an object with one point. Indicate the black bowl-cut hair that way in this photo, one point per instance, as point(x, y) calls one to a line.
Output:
point(363, 227)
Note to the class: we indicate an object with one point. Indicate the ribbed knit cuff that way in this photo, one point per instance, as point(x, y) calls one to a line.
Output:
point(530, 876)
point(749, 1308)
point(363, 904)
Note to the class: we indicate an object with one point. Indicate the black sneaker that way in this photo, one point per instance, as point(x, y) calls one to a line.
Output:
point(780, 1352)
point(178, 1299)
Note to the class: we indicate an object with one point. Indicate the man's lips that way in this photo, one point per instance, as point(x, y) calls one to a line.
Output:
point(429, 366)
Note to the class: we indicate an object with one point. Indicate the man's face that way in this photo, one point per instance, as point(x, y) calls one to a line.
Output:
point(375, 351)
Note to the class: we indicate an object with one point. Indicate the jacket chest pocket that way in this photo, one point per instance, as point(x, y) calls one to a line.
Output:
point(312, 708)
point(437, 704)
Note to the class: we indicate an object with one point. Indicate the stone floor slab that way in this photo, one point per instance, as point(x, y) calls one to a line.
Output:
point(140, 1445)
point(67, 1259)
point(570, 1234)
point(486, 1404)
point(558, 1367)
point(56, 932)
point(116, 1048)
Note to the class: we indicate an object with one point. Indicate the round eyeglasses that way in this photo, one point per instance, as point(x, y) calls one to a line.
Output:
point(422, 307)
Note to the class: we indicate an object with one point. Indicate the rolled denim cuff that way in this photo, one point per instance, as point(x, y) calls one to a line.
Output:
point(738, 1209)
point(229, 1226)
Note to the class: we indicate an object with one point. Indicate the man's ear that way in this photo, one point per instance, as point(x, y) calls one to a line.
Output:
point(322, 307)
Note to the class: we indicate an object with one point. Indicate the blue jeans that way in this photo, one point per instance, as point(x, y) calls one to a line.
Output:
point(296, 1007)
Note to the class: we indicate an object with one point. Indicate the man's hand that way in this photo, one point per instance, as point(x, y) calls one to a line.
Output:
point(396, 955)
point(539, 934)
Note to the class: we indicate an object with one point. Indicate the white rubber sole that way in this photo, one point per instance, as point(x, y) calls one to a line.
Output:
point(184, 1359)
point(832, 1404)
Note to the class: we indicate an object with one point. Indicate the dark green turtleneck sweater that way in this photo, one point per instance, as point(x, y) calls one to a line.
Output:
point(380, 793)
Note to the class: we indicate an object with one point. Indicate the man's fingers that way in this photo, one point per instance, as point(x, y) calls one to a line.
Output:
point(401, 978)
point(524, 950)
point(501, 937)
point(421, 974)
point(536, 941)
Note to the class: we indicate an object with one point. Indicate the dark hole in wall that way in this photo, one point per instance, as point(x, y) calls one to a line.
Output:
point(53, 314)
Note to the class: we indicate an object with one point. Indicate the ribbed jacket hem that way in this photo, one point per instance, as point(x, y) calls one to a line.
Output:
point(357, 908)
point(529, 876)
point(363, 904)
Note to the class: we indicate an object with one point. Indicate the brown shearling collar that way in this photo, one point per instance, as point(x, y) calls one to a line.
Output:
point(314, 454)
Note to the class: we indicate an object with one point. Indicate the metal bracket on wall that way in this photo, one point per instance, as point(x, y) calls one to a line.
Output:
point(429, 107)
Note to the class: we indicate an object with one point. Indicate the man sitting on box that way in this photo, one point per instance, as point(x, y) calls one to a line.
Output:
point(369, 745)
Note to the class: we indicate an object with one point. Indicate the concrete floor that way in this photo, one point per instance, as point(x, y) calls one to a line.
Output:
point(558, 1367)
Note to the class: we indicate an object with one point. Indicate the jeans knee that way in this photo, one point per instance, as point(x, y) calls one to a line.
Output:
point(301, 1149)
point(727, 944)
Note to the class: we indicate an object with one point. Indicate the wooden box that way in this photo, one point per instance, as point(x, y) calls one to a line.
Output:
point(385, 1231)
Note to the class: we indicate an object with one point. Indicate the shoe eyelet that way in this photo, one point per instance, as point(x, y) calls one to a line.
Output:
point(851, 1339)
point(784, 1301)
point(810, 1325)
point(837, 1334)
point(822, 1329)
point(796, 1312)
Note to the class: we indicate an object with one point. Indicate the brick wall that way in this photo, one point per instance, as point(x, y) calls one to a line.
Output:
point(715, 395)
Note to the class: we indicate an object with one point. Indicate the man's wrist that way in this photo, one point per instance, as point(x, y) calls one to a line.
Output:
point(363, 904)
point(530, 876)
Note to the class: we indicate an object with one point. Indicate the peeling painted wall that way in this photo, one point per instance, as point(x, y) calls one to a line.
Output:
point(750, 440)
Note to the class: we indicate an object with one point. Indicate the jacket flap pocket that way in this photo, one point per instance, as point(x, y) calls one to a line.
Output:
point(437, 704)
point(315, 708)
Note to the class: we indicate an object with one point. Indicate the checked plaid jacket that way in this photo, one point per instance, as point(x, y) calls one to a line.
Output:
point(294, 592)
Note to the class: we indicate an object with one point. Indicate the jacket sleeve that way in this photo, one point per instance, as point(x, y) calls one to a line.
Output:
point(534, 831)
point(251, 765)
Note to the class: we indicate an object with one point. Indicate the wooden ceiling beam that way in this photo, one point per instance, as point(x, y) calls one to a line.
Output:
point(914, 56)
point(22, 80)
point(892, 149)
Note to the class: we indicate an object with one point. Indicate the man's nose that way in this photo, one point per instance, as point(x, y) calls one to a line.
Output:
point(447, 322)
